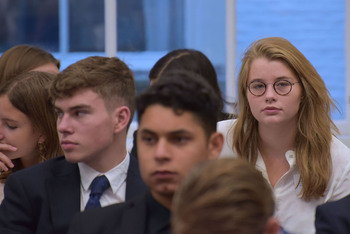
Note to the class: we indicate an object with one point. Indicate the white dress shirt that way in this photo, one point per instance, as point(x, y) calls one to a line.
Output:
point(116, 177)
point(2, 185)
point(295, 214)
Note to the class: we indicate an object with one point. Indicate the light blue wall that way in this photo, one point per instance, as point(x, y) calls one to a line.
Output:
point(205, 28)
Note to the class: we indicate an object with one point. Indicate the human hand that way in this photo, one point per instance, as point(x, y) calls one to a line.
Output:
point(5, 162)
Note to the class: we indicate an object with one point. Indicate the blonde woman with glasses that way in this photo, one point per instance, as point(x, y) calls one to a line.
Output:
point(284, 128)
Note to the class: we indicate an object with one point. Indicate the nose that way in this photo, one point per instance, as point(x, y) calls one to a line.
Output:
point(162, 151)
point(270, 93)
point(64, 124)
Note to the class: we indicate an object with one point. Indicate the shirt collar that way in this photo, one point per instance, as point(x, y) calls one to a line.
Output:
point(116, 176)
point(290, 156)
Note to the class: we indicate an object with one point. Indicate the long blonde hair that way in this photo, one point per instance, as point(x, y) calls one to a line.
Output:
point(314, 126)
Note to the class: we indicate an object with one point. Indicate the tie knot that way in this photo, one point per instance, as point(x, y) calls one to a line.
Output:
point(99, 185)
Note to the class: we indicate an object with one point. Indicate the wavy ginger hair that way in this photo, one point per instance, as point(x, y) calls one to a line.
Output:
point(314, 127)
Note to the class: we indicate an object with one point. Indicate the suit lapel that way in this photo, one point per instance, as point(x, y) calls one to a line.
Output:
point(64, 194)
point(134, 217)
point(134, 183)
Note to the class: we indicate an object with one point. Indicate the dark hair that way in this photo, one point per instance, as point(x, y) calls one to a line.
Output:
point(111, 78)
point(190, 60)
point(21, 59)
point(183, 91)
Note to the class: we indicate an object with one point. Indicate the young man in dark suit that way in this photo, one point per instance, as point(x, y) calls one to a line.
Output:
point(333, 217)
point(93, 99)
point(177, 130)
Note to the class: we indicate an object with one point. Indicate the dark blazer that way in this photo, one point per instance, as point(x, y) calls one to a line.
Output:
point(44, 198)
point(333, 217)
point(133, 151)
point(122, 218)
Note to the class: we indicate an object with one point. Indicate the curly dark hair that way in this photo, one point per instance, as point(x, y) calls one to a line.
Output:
point(183, 91)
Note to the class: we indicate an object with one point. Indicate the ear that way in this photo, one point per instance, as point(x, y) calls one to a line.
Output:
point(272, 226)
point(121, 117)
point(215, 144)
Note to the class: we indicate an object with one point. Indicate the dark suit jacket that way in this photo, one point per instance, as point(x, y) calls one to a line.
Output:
point(44, 198)
point(131, 217)
point(133, 151)
point(333, 217)
point(123, 218)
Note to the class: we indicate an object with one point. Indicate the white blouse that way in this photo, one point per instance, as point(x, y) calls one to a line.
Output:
point(295, 214)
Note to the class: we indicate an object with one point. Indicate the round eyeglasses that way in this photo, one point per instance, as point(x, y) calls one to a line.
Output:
point(281, 87)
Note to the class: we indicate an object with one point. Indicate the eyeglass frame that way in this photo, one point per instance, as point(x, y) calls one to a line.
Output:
point(273, 85)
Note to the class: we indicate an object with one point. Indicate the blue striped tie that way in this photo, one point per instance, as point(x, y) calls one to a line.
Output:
point(98, 186)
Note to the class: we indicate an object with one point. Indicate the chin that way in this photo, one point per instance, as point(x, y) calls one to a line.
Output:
point(12, 157)
point(271, 120)
point(167, 190)
point(73, 158)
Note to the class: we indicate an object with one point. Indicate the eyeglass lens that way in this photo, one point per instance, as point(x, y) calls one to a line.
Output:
point(282, 87)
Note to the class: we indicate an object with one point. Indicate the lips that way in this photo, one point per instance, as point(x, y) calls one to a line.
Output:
point(68, 145)
point(163, 175)
point(271, 110)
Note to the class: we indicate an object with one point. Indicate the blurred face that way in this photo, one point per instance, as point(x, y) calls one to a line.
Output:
point(49, 68)
point(270, 107)
point(85, 127)
point(17, 130)
point(169, 145)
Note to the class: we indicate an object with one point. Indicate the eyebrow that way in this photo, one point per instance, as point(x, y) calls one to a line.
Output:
point(181, 131)
point(276, 79)
point(77, 107)
point(284, 78)
point(10, 120)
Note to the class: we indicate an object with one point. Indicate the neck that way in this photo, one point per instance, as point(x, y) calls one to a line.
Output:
point(277, 138)
point(110, 157)
point(30, 161)
point(164, 200)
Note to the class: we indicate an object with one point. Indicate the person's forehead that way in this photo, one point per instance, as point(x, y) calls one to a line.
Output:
point(158, 118)
point(84, 96)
